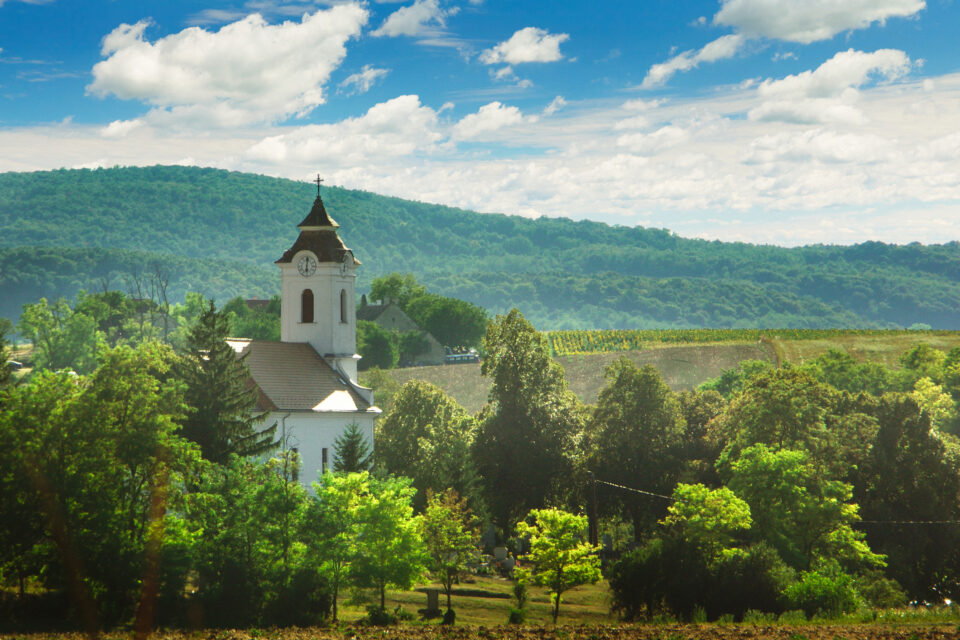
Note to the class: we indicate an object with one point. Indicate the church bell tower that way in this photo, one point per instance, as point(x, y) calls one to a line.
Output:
point(317, 282)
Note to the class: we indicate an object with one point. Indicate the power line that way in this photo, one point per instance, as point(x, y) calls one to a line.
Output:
point(908, 522)
point(893, 522)
point(640, 491)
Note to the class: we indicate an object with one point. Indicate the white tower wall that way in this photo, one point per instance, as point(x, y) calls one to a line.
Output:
point(332, 335)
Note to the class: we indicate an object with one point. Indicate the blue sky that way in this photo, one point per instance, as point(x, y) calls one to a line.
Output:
point(777, 121)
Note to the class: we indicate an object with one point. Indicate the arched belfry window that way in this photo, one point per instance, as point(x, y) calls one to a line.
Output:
point(306, 306)
point(343, 306)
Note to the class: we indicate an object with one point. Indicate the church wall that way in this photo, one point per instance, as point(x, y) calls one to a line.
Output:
point(311, 432)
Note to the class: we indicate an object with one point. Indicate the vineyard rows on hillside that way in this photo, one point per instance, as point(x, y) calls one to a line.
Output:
point(568, 343)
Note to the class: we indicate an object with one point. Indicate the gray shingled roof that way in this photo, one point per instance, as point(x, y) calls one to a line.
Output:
point(291, 376)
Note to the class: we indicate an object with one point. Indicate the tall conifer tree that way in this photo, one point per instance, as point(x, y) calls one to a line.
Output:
point(351, 451)
point(221, 420)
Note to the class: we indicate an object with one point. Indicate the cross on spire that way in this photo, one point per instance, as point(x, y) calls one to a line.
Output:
point(318, 181)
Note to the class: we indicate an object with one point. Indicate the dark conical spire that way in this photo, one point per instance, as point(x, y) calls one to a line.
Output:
point(318, 217)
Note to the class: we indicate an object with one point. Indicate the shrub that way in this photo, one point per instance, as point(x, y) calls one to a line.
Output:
point(827, 591)
point(751, 579)
point(304, 601)
point(881, 592)
point(377, 617)
point(753, 616)
point(517, 616)
point(636, 582)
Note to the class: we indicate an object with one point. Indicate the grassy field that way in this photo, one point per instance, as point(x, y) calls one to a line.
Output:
point(687, 365)
point(486, 601)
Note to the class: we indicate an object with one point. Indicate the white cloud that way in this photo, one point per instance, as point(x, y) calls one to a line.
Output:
point(723, 47)
point(639, 104)
point(121, 128)
point(790, 20)
point(810, 20)
point(247, 72)
point(650, 143)
point(421, 18)
point(490, 117)
point(526, 45)
point(696, 165)
point(361, 81)
point(829, 92)
point(818, 145)
point(216, 16)
point(396, 128)
point(555, 105)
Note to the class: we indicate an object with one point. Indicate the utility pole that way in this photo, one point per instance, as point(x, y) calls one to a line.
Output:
point(592, 509)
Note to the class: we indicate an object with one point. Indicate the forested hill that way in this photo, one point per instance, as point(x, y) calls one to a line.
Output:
point(218, 232)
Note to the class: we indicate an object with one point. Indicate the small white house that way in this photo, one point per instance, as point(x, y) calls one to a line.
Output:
point(307, 382)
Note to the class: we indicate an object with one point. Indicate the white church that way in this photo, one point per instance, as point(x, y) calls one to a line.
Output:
point(307, 382)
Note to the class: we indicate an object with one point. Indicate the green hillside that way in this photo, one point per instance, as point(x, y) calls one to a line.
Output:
point(219, 232)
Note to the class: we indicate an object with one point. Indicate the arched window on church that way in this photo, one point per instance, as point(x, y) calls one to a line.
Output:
point(306, 306)
point(343, 306)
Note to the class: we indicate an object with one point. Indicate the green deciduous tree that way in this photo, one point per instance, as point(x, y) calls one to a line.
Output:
point(427, 436)
point(61, 337)
point(450, 534)
point(334, 525)
point(6, 373)
point(787, 408)
point(525, 448)
point(376, 346)
point(912, 474)
point(936, 404)
point(803, 515)
point(840, 370)
point(248, 521)
point(351, 451)
point(221, 418)
point(453, 322)
point(635, 436)
point(709, 519)
point(397, 288)
point(98, 458)
point(260, 323)
point(561, 557)
point(389, 552)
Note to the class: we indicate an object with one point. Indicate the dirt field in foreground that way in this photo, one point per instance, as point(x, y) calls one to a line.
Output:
point(584, 632)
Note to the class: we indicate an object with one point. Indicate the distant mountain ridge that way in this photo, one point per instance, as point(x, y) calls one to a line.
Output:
point(218, 232)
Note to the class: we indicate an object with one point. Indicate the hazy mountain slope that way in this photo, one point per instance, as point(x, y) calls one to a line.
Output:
point(559, 272)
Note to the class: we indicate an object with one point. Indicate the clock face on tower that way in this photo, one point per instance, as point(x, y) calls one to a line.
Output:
point(306, 266)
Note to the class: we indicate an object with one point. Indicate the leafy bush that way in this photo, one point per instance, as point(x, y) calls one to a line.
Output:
point(749, 580)
point(305, 600)
point(826, 591)
point(380, 617)
point(881, 592)
point(680, 578)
